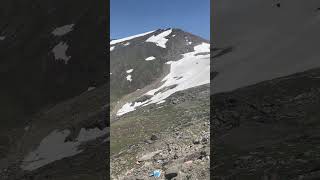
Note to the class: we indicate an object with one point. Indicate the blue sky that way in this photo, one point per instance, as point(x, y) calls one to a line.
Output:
point(130, 17)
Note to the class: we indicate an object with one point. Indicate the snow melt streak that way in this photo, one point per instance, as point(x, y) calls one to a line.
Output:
point(190, 71)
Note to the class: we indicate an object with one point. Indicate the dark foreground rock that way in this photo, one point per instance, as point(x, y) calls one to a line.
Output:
point(270, 130)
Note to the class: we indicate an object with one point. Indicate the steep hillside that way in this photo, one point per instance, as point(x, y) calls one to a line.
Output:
point(145, 55)
point(263, 41)
point(50, 51)
point(161, 93)
point(146, 65)
point(51, 54)
point(270, 130)
point(265, 90)
point(66, 141)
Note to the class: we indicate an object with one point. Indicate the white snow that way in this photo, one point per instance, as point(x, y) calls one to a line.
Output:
point(59, 52)
point(204, 47)
point(129, 77)
point(129, 38)
point(62, 30)
point(150, 58)
point(53, 147)
point(160, 102)
point(173, 35)
point(2, 38)
point(126, 44)
point(189, 42)
point(193, 70)
point(111, 48)
point(160, 39)
point(128, 107)
point(129, 71)
point(169, 62)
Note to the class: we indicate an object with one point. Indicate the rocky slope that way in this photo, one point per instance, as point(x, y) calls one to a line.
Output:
point(265, 96)
point(157, 115)
point(67, 141)
point(269, 130)
point(173, 138)
point(52, 53)
point(263, 41)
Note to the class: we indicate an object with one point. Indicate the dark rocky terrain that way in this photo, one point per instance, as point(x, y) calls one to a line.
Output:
point(270, 130)
point(51, 54)
point(262, 41)
point(31, 75)
point(171, 136)
point(265, 90)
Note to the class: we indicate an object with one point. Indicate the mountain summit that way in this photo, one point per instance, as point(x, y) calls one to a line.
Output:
point(157, 64)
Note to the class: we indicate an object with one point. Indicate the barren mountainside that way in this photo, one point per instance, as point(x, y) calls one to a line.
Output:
point(160, 95)
point(265, 90)
point(51, 54)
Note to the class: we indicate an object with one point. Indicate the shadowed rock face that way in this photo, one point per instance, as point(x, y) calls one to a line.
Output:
point(31, 73)
point(51, 52)
point(268, 129)
point(265, 90)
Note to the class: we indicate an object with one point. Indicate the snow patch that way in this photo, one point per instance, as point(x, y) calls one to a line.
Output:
point(202, 48)
point(150, 58)
point(62, 30)
point(129, 71)
point(59, 52)
point(111, 48)
point(189, 76)
point(129, 38)
point(91, 88)
point(128, 107)
point(129, 78)
point(126, 44)
point(160, 39)
point(53, 147)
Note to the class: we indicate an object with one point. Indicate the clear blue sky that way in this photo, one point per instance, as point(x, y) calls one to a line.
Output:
point(130, 17)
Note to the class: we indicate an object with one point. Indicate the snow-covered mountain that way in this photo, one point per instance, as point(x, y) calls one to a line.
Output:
point(173, 59)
